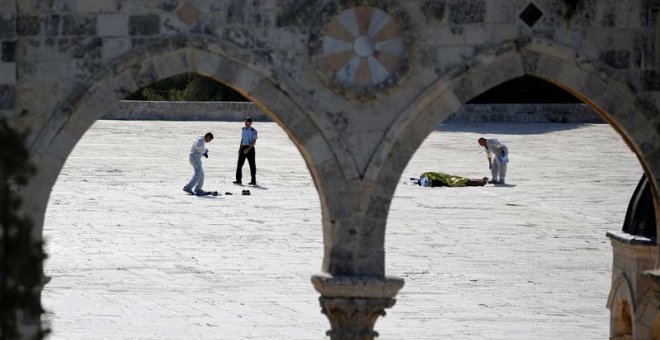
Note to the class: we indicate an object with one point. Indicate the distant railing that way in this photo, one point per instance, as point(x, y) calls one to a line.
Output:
point(235, 111)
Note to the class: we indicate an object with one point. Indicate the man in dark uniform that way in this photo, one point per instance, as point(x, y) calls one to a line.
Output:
point(246, 150)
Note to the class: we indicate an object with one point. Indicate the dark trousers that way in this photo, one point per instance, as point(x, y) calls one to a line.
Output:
point(241, 160)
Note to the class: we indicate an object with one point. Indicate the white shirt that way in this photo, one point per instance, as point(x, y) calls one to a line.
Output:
point(493, 147)
point(198, 147)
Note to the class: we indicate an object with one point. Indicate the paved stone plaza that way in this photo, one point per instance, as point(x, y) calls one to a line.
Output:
point(133, 257)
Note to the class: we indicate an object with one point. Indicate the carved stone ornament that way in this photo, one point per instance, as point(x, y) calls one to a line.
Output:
point(361, 52)
point(353, 318)
point(354, 303)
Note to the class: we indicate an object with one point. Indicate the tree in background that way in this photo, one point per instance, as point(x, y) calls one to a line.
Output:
point(188, 87)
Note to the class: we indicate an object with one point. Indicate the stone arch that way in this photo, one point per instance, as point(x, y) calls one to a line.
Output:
point(610, 95)
point(169, 56)
point(622, 309)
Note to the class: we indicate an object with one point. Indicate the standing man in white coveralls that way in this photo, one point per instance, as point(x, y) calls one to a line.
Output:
point(498, 157)
point(197, 150)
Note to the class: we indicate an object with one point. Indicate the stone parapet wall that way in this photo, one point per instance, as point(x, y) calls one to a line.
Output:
point(235, 111)
point(218, 111)
point(526, 113)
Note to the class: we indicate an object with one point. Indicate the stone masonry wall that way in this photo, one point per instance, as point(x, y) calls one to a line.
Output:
point(65, 43)
point(526, 113)
point(7, 57)
point(162, 110)
point(235, 111)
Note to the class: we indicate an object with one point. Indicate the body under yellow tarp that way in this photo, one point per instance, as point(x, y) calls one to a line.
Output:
point(439, 179)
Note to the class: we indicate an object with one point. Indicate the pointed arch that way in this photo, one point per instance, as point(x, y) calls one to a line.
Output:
point(321, 147)
point(611, 96)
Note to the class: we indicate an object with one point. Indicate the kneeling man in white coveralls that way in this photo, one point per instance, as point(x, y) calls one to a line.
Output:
point(498, 157)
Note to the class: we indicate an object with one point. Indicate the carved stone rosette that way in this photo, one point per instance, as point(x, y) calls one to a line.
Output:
point(364, 48)
point(354, 303)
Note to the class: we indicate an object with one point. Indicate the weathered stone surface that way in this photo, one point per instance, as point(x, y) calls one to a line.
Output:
point(619, 59)
point(7, 26)
point(112, 25)
point(467, 11)
point(115, 47)
point(52, 25)
point(8, 51)
point(79, 48)
point(79, 25)
point(8, 73)
point(144, 24)
point(97, 6)
point(27, 25)
point(7, 97)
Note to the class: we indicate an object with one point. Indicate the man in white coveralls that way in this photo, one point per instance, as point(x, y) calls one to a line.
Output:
point(197, 150)
point(498, 158)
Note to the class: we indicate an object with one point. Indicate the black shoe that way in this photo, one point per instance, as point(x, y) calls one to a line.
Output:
point(493, 182)
point(238, 182)
point(253, 183)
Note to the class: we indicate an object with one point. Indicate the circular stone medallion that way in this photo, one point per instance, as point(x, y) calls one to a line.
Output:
point(362, 51)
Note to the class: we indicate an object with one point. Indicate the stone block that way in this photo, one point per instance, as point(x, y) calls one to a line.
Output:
point(452, 55)
point(467, 11)
point(318, 149)
point(114, 47)
point(28, 25)
point(8, 51)
point(52, 25)
point(144, 74)
point(172, 63)
point(8, 7)
point(479, 34)
point(239, 37)
point(79, 25)
point(441, 36)
point(207, 65)
point(618, 59)
point(144, 24)
point(236, 12)
point(78, 48)
point(7, 97)
point(97, 6)
point(7, 27)
point(112, 25)
point(8, 73)
point(503, 11)
point(434, 11)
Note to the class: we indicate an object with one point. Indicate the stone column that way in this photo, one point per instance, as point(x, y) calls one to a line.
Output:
point(648, 315)
point(634, 282)
point(354, 303)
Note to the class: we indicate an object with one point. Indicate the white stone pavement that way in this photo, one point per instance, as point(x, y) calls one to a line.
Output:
point(133, 257)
